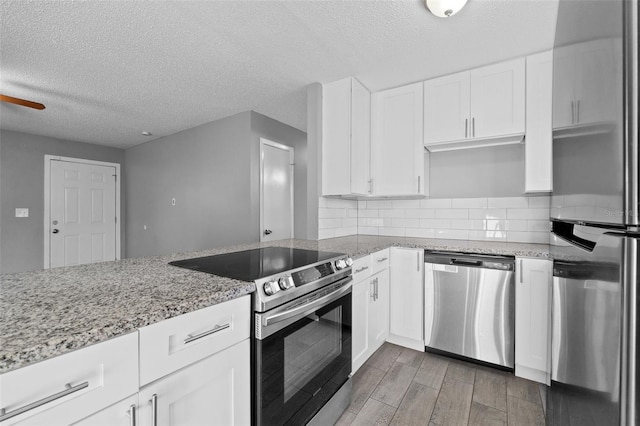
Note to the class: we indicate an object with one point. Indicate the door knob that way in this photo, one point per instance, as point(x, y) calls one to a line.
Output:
point(267, 231)
point(55, 231)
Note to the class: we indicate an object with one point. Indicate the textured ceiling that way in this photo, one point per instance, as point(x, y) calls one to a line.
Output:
point(109, 70)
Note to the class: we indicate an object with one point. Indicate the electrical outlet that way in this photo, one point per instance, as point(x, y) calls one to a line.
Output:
point(22, 212)
point(173, 201)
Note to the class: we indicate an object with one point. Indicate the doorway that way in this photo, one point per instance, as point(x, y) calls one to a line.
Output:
point(276, 191)
point(81, 211)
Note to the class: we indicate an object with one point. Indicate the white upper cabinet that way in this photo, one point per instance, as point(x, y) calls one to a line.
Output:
point(538, 147)
point(397, 153)
point(446, 108)
point(585, 80)
point(346, 117)
point(497, 99)
point(481, 107)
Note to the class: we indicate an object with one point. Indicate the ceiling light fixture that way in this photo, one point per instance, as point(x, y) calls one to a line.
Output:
point(145, 133)
point(445, 8)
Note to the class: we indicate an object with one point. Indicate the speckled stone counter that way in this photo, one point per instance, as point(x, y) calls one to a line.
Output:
point(52, 312)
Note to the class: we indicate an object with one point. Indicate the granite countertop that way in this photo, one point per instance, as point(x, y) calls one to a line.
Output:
point(51, 312)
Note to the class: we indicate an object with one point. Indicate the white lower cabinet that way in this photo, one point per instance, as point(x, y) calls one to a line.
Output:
point(214, 391)
point(533, 319)
point(370, 306)
point(406, 298)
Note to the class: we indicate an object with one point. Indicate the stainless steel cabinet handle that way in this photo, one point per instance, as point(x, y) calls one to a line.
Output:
point(419, 184)
point(418, 259)
point(382, 259)
point(154, 409)
point(361, 269)
point(466, 125)
point(573, 113)
point(376, 286)
point(55, 231)
point(215, 329)
point(521, 273)
point(372, 284)
point(132, 415)
point(578, 112)
point(473, 127)
point(68, 390)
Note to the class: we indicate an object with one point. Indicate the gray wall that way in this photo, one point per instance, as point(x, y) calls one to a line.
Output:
point(483, 172)
point(22, 185)
point(207, 170)
point(265, 127)
point(213, 172)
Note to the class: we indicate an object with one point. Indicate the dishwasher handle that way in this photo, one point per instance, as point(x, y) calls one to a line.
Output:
point(459, 262)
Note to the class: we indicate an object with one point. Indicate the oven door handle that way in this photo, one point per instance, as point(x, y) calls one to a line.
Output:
point(307, 308)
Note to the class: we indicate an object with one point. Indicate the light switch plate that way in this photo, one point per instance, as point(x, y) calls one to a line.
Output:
point(22, 212)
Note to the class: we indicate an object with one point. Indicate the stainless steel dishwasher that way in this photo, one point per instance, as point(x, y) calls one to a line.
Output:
point(469, 305)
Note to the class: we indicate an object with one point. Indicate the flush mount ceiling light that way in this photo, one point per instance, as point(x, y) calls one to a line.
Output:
point(445, 8)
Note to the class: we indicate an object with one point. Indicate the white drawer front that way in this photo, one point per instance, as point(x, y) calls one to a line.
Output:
point(177, 342)
point(361, 268)
point(110, 370)
point(380, 261)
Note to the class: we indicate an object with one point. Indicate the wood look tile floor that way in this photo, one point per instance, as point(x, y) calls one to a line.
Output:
point(400, 386)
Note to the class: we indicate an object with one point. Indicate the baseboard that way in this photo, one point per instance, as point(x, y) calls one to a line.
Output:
point(417, 345)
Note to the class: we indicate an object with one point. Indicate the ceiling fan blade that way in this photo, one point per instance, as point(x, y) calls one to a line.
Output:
point(23, 102)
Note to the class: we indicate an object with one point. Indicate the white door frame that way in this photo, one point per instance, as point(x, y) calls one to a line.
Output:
point(273, 144)
point(47, 200)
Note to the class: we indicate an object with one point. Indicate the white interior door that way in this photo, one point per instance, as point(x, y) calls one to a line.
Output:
point(276, 198)
point(81, 224)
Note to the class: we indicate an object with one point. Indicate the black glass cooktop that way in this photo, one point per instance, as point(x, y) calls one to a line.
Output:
point(250, 265)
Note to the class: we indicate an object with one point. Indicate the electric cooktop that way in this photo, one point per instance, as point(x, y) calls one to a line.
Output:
point(250, 265)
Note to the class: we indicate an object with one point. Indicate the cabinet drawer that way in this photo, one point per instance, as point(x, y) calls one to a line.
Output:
point(361, 268)
point(177, 342)
point(380, 261)
point(99, 375)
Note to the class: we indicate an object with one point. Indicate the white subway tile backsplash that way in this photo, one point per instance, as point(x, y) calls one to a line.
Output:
point(452, 234)
point(469, 203)
point(508, 202)
point(496, 225)
point(533, 214)
point(343, 232)
point(368, 213)
point(380, 204)
point(370, 221)
point(517, 225)
point(420, 233)
point(326, 233)
point(405, 223)
point(436, 203)
point(392, 232)
point(391, 213)
point(350, 222)
point(324, 212)
point(488, 235)
point(352, 213)
point(487, 213)
point(406, 204)
point(452, 213)
point(420, 213)
point(367, 230)
point(538, 226)
point(528, 237)
point(362, 204)
point(539, 202)
point(435, 223)
point(329, 223)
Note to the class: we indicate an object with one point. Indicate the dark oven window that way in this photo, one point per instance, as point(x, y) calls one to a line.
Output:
point(303, 365)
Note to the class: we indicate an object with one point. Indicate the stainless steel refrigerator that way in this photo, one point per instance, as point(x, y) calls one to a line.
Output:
point(594, 210)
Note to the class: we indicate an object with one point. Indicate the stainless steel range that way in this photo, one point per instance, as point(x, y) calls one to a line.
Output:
point(301, 358)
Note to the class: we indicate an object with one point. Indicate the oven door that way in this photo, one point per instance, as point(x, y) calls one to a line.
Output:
point(302, 355)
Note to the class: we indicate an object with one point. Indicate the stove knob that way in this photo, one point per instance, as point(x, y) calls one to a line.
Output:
point(285, 283)
point(271, 288)
point(340, 264)
point(349, 262)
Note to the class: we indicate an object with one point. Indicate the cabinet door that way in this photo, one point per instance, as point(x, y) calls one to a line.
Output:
point(360, 311)
point(446, 108)
point(214, 391)
point(533, 314)
point(596, 82)
point(360, 138)
point(406, 298)
point(397, 156)
point(563, 87)
point(118, 414)
point(336, 137)
point(498, 99)
point(538, 150)
point(379, 310)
